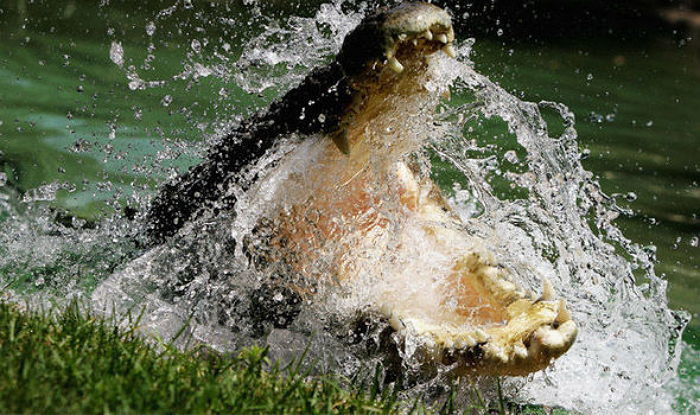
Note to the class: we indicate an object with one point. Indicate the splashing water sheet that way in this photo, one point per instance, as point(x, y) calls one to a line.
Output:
point(535, 206)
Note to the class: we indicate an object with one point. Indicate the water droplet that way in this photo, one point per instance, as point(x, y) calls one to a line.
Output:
point(167, 100)
point(595, 118)
point(676, 243)
point(196, 46)
point(511, 156)
point(150, 28)
point(499, 32)
point(694, 241)
point(631, 197)
point(116, 53)
point(589, 77)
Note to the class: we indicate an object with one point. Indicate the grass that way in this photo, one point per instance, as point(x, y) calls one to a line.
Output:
point(70, 362)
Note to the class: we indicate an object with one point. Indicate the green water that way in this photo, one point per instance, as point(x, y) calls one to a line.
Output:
point(68, 115)
point(637, 112)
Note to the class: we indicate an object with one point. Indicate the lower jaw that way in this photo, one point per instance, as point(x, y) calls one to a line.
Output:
point(524, 343)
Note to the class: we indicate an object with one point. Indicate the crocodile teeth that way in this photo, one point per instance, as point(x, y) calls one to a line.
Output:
point(428, 35)
point(395, 65)
point(481, 336)
point(520, 350)
point(450, 51)
point(442, 38)
point(564, 315)
point(499, 354)
point(465, 342)
point(340, 139)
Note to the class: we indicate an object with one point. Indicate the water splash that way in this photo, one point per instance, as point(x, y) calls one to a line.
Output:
point(629, 339)
point(553, 220)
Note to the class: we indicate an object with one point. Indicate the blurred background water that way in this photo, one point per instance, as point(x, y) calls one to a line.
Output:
point(95, 98)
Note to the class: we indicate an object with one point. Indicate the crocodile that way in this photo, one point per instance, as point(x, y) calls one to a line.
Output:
point(353, 205)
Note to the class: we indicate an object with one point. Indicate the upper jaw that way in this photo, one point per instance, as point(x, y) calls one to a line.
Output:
point(379, 37)
point(536, 331)
point(421, 25)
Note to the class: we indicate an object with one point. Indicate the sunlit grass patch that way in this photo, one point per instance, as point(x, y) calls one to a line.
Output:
point(71, 362)
point(68, 362)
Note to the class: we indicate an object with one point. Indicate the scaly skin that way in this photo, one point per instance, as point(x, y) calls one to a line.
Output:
point(359, 207)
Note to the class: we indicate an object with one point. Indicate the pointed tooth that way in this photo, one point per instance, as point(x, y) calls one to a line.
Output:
point(442, 38)
point(481, 336)
point(428, 34)
point(500, 354)
point(396, 323)
point(415, 42)
point(547, 290)
point(520, 350)
point(564, 314)
point(403, 36)
point(340, 139)
point(450, 51)
point(395, 65)
point(469, 341)
point(448, 343)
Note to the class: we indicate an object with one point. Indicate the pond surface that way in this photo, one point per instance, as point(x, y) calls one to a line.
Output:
point(636, 110)
point(90, 96)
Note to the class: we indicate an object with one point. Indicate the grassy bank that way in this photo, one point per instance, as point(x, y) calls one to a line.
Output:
point(70, 362)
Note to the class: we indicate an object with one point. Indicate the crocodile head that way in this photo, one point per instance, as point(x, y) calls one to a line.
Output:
point(495, 328)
